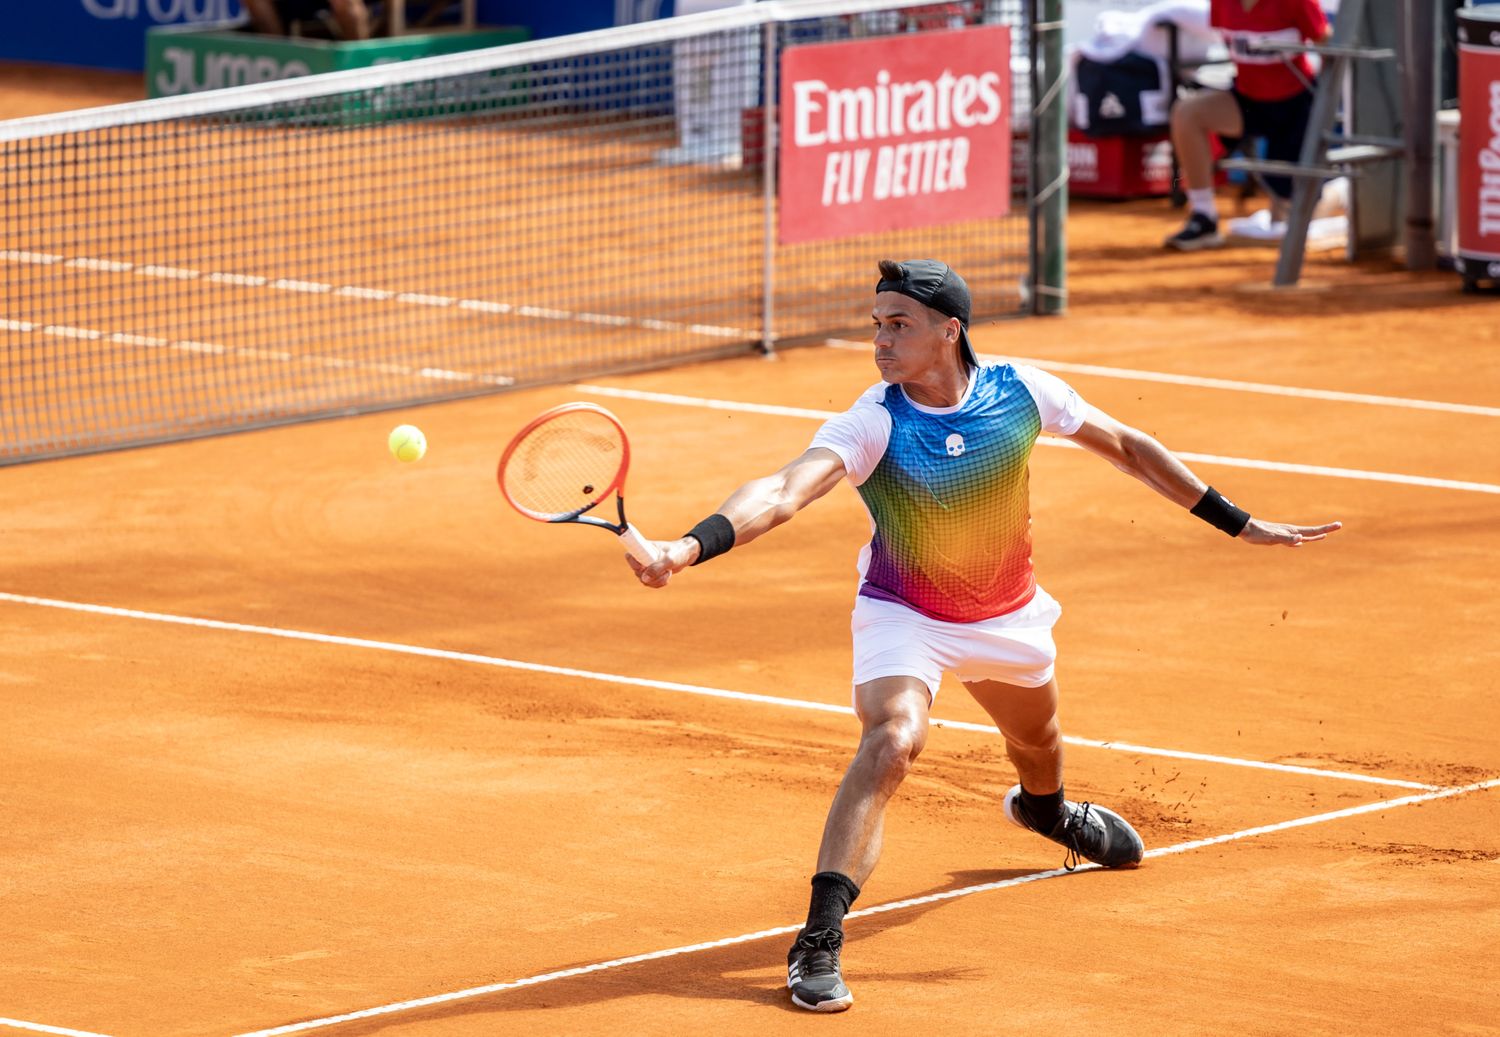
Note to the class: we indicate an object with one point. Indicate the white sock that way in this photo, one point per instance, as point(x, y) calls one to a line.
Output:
point(1202, 200)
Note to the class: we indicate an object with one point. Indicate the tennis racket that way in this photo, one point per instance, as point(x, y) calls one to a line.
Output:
point(565, 463)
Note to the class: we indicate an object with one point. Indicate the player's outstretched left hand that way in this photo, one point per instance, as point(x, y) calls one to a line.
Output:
point(1259, 532)
point(676, 555)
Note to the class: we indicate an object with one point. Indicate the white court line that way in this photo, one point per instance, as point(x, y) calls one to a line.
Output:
point(1233, 385)
point(673, 686)
point(171, 273)
point(419, 299)
point(98, 264)
point(13, 255)
point(287, 284)
point(710, 330)
point(483, 306)
point(1179, 754)
point(1231, 462)
point(42, 1028)
point(138, 340)
point(356, 292)
point(67, 331)
point(706, 403)
point(251, 353)
point(898, 905)
point(1332, 473)
point(244, 280)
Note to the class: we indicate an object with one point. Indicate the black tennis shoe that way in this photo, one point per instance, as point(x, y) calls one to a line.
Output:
point(1087, 831)
point(813, 974)
point(1199, 232)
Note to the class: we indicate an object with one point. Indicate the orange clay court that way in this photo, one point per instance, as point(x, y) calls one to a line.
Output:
point(302, 739)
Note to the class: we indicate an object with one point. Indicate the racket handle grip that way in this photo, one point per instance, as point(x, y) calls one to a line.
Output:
point(641, 549)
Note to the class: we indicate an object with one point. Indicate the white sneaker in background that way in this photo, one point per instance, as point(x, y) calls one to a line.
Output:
point(1258, 226)
point(1328, 232)
point(1334, 201)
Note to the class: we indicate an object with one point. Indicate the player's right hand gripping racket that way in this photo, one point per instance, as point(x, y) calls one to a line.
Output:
point(564, 463)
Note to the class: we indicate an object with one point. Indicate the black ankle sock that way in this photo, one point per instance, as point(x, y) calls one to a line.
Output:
point(832, 895)
point(1044, 811)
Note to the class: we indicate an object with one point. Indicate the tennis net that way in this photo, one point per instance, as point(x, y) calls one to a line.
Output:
point(446, 227)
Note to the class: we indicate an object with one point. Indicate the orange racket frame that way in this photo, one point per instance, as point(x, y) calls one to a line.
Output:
point(641, 549)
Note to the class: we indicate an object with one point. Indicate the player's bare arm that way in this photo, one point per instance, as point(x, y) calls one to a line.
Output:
point(755, 508)
point(1136, 453)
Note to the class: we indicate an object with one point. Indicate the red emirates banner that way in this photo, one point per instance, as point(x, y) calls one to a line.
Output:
point(903, 131)
point(1479, 138)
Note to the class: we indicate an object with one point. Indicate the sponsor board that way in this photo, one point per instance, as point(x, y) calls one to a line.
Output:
point(112, 33)
point(1119, 167)
point(98, 33)
point(163, 12)
point(904, 131)
point(183, 59)
point(1479, 141)
point(184, 70)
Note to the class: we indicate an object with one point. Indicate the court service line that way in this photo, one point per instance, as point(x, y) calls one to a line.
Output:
point(709, 330)
point(43, 1028)
point(251, 353)
point(1231, 462)
point(350, 291)
point(897, 905)
point(1230, 384)
point(656, 685)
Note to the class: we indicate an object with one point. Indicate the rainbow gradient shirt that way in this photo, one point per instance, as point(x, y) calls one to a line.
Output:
point(947, 489)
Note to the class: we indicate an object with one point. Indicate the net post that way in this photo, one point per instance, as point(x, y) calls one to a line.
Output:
point(1048, 195)
point(770, 57)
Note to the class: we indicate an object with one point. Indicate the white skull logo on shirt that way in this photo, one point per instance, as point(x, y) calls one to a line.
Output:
point(955, 445)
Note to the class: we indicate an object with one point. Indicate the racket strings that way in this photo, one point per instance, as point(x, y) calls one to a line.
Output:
point(565, 465)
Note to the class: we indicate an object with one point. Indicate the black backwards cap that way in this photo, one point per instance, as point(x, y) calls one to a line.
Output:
point(936, 285)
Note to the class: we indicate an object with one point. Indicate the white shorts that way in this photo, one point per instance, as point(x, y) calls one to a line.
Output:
point(892, 640)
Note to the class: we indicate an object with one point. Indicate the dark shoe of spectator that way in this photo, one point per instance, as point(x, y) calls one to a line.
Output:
point(1199, 232)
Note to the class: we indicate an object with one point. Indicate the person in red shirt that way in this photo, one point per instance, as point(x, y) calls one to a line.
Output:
point(1271, 98)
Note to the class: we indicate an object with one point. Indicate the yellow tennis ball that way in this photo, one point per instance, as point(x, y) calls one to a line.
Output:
point(407, 443)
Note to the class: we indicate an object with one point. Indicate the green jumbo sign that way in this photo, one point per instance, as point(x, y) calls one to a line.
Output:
point(183, 59)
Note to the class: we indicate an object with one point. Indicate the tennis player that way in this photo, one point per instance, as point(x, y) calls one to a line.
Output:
point(938, 450)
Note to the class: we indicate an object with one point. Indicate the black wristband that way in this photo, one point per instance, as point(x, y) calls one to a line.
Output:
point(715, 535)
point(1220, 513)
